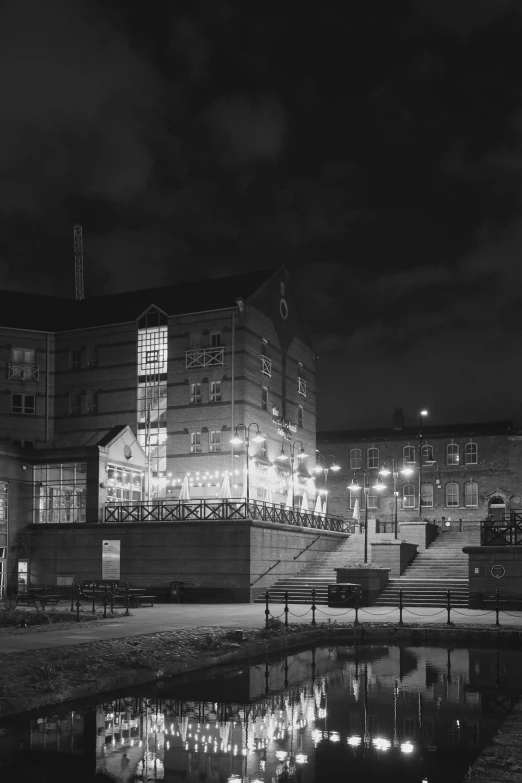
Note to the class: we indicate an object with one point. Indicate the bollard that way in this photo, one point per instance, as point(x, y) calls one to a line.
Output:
point(497, 610)
point(286, 610)
point(356, 621)
point(105, 600)
point(127, 599)
point(112, 598)
point(43, 597)
point(93, 610)
point(313, 607)
point(448, 607)
point(267, 610)
point(78, 604)
point(400, 607)
point(72, 597)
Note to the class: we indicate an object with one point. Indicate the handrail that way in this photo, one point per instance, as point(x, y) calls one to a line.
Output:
point(307, 547)
point(266, 572)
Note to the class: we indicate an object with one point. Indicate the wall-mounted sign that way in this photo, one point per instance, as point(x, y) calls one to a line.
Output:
point(284, 427)
point(111, 560)
point(498, 571)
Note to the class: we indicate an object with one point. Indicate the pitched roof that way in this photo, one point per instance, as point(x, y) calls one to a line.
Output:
point(57, 314)
point(411, 433)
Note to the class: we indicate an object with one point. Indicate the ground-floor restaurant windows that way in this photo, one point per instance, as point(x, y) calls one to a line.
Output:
point(60, 492)
point(23, 575)
point(124, 483)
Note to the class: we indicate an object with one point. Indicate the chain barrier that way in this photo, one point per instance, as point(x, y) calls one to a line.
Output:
point(327, 614)
point(422, 614)
point(300, 615)
point(463, 614)
point(378, 614)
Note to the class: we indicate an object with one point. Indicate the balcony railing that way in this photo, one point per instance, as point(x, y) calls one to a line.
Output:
point(204, 357)
point(266, 366)
point(301, 387)
point(23, 372)
point(502, 532)
point(217, 510)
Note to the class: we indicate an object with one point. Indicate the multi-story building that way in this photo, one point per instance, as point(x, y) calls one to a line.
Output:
point(171, 374)
point(466, 471)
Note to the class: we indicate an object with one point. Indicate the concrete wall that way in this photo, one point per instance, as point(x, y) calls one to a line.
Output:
point(481, 580)
point(419, 533)
point(394, 555)
point(217, 561)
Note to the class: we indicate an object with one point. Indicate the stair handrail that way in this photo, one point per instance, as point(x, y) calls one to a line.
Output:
point(266, 572)
point(307, 547)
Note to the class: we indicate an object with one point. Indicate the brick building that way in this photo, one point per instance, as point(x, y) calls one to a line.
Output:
point(169, 374)
point(469, 471)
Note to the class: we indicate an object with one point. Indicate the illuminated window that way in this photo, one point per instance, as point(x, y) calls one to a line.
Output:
point(373, 458)
point(23, 356)
point(299, 415)
point(373, 498)
point(195, 393)
point(355, 459)
point(452, 454)
point(427, 454)
point(408, 453)
point(471, 452)
point(151, 357)
point(215, 391)
point(264, 398)
point(60, 492)
point(427, 495)
point(23, 403)
point(124, 483)
point(471, 494)
point(452, 494)
point(215, 440)
point(195, 442)
point(408, 496)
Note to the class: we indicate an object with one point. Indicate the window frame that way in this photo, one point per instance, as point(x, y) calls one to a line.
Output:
point(413, 503)
point(427, 449)
point(471, 452)
point(452, 454)
point(430, 495)
point(408, 450)
point(466, 494)
point(373, 459)
point(75, 403)
point(195, 442)
point(216, 339)
point(196, 398)
point(300, 416)
point(91, 402)
point(373, 494)
point(447, 504)
point(355, 461)
point(23, 406)
point(215, 391)
point(215, 445)
point(75, 359)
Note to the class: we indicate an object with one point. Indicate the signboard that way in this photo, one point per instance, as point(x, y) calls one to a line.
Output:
point(498, 571)
point(111, 560)
point(284, 427)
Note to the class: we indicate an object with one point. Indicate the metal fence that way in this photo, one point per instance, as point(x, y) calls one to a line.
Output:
point(225, 509)
point(505, 532)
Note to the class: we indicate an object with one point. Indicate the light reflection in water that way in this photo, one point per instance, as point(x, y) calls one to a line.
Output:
point(288, 720)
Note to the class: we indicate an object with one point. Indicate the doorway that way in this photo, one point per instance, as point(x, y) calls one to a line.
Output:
point(497, 508)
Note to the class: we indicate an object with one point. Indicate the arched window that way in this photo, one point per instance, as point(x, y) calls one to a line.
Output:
point(355, 494)
point(427, 454)
point(408, 453)
point(355, 459)
point(408, 496)
point(373, 458)
point(373, 498)
point(471, 453)
point(471, 494)
point(452, 454)
point(427, 495)
point(452, 494)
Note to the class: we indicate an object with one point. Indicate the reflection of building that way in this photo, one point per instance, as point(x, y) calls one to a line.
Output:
point(181, 367)
point(468, 470)
point(300, 718)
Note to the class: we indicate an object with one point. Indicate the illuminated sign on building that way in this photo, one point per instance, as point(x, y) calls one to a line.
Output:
point(284, 427)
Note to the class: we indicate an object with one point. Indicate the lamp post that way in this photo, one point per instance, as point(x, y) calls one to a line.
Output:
point(395, 474)
point(282, 457)
point(237, 441)
point(326, 468)
point(422, 413)
point(366, 489)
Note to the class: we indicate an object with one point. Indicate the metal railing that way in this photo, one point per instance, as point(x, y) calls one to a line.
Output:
point(266, 365)
point(23, 372)
point(204, 357)
point(225, 509)
point(301, 387)
point(504, 532)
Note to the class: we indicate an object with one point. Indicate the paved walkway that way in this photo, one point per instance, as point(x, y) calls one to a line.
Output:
point(168, 617)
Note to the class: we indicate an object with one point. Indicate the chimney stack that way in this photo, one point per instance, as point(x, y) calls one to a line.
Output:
point(398, 419)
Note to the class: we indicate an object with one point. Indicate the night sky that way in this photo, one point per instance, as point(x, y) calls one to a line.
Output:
point(375, 148)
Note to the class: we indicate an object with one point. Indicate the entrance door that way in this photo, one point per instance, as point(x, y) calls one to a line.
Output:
point(497, 508)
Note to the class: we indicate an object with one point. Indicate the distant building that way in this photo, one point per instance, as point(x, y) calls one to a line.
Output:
point(469, 471)
point(120, 398)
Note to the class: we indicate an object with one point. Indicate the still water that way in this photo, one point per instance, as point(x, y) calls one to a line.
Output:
point(375, 713)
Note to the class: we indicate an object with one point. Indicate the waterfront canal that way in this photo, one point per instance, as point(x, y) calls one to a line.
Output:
point(401, 714)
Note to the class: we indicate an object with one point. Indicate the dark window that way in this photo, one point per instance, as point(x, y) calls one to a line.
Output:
point(264, 398)
point(75, 399)
point(215, 340)
point(75, 358)
point(23, 403)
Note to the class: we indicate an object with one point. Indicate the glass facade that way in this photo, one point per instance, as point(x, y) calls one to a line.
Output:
point(152, 398)
point(124, 483)
point(60, 492)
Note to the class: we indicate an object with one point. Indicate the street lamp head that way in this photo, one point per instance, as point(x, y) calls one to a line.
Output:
point(282, 456)
point(423, 412)
point(236, 440)
point(302, 453)
point(406, 471)
point(354, 485)
point(379, 485)
point(259, 438)
point(318, 469)
point(385, 472)
point(335, 467)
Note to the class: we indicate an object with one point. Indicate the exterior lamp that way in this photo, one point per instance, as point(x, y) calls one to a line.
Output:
point(328, 463)
point(422, 414)
point(394, 472)
point(282, 456)
point(366, 491)
point(236, 441)
point(379, 485)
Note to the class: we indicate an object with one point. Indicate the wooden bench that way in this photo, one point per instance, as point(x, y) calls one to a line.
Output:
point(37, 595)
point(147, 599)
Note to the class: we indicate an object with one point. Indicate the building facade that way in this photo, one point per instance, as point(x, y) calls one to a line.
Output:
point(466, 472)
point(183, 368)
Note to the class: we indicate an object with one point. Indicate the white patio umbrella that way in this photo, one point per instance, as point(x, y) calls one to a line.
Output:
point(289, 498)
point(324, 506)
point(304, 502)
point(356, 511)
point(318, 505)
point(225, 491)
point(184, 493)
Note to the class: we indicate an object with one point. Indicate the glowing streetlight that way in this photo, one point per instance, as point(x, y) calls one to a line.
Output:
point(395, 474)
point(354, 487)
point(282, 457)
point(237, 441)
point(326, 468)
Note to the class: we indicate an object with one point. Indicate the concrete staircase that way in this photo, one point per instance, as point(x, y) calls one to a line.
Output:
point(426, 581)
point(319, 574)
